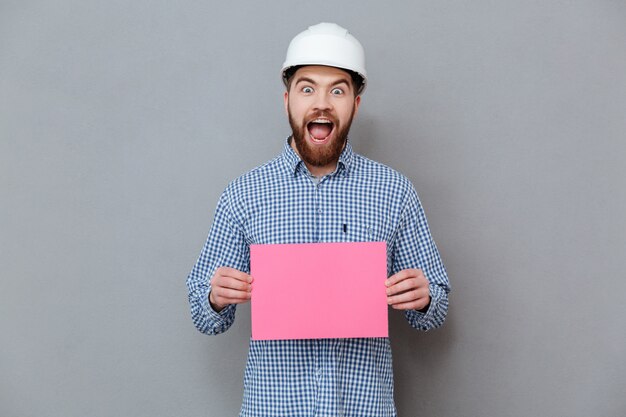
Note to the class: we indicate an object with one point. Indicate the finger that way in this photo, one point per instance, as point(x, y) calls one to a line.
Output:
point(401, 276)
point(224, 295)
point(409, 301)
point(233, 273)
point(406, 285)
point(222, 304)
point(414, 305)
point(232, 283)
point(406, 297)
point(227, 301)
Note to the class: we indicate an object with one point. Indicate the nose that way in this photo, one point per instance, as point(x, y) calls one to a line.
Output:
point(322, 101)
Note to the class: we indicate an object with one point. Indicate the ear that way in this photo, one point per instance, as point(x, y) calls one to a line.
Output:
point(357, 102)
point(286, 99)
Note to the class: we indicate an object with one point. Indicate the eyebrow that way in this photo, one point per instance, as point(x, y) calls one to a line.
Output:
point(310, 81)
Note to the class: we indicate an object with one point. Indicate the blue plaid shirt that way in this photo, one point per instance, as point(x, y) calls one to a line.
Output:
point(279, 202)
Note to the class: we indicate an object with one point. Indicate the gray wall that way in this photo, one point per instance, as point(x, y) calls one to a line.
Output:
point(122, 121)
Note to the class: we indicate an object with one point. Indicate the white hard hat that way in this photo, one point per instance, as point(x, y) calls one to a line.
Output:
point(326, 44)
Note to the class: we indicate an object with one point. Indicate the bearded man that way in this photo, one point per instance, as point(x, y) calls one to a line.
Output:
point(319, 190)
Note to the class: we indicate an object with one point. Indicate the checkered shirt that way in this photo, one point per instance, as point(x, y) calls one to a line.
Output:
point(279, 202)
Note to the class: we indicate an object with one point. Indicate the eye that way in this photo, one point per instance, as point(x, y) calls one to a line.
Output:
point(336, 91)
point(307, 90)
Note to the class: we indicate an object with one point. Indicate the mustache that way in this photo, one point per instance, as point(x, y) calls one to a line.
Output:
point(321, 114)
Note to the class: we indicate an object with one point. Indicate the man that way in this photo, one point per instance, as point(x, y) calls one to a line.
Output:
point(319, 190)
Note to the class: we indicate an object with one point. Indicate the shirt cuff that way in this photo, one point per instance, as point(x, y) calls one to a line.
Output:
point(430, 319)
point(217, 316)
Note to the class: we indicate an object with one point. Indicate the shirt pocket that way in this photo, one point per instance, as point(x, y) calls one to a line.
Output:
point(369, 231)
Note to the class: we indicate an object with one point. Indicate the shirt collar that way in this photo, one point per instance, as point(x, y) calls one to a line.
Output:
point(293, 161)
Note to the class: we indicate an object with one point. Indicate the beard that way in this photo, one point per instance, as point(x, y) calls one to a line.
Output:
point(320, 156)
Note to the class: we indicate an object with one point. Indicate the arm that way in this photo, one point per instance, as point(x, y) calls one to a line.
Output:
point(224, 252)
point(419, 282)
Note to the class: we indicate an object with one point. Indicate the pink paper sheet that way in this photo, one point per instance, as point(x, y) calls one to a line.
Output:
point(319, 290)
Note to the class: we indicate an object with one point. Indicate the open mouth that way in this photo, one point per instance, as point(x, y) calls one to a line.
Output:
point(320, 129)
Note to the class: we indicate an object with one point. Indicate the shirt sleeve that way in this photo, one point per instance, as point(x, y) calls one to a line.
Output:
point(415, 248)
point(225, 246)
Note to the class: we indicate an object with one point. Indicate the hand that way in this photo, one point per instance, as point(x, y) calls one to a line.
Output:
point(229, 286)
point(408, 290)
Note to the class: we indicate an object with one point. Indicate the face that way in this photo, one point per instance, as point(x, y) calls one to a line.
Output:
point(320, 104)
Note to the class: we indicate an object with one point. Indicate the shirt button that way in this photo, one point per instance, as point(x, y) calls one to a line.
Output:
point(319, 211)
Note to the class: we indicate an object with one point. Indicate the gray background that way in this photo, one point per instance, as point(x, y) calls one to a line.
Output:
point(122, 121)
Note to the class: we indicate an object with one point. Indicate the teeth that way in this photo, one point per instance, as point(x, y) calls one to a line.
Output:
point(321, 121)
